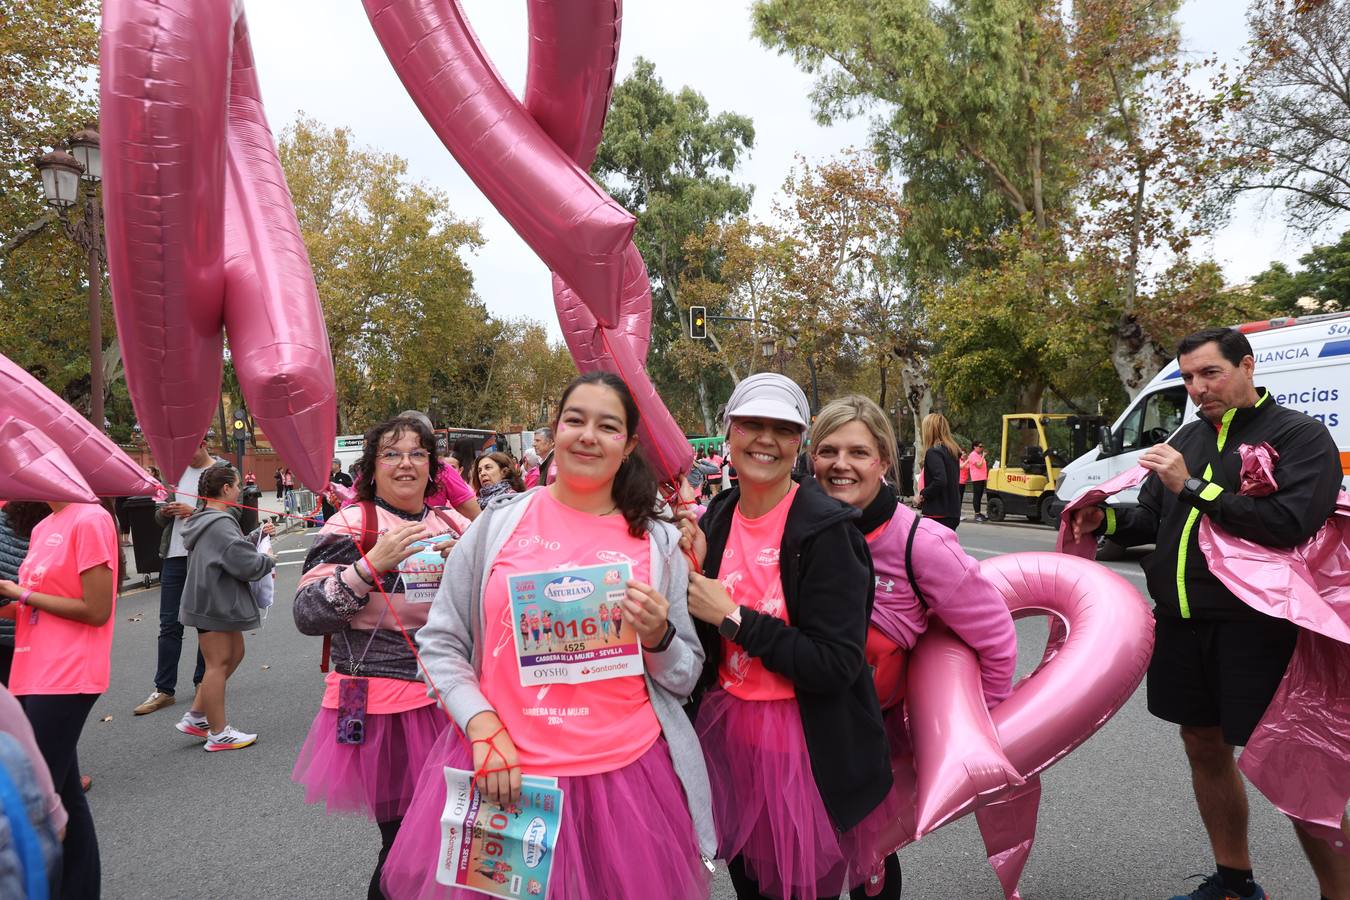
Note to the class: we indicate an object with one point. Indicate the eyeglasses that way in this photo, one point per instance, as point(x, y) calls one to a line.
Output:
point(392, 458)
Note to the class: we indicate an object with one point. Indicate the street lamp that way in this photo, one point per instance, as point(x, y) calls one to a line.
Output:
point(61, 175)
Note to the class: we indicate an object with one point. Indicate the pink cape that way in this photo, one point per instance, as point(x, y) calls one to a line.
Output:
point(1298, 756)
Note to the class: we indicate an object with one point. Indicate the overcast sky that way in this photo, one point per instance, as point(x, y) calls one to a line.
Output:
point(322, 57)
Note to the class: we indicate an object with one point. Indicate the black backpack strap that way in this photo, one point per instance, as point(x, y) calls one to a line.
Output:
point(909, 560)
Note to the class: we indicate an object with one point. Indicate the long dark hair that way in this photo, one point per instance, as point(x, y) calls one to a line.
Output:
point(23, 516)
point(634, 487)
point(393, 429)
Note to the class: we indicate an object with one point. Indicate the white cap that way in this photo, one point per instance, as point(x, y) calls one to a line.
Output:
point(769, 395)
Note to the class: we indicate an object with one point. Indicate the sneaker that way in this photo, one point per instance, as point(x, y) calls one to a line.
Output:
point(155, 702)
point(980, 518)
point(193, 725)
point(229, 739)
point(1212, 889)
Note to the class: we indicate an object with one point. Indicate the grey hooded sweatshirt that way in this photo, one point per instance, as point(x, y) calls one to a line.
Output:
point(221, 562)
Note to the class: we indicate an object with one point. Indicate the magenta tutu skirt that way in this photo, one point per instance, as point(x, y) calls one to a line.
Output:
point(768, 809)
point(376, 778)
point(624, 834)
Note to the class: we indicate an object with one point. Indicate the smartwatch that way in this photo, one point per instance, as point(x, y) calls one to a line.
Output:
point(1192, 488)
point(731, 625)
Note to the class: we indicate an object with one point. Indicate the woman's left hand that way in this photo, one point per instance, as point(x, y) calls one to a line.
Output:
point(445, 547)
point(269, 529)
point(645, 610)
point(10, 590)
point(708, 600)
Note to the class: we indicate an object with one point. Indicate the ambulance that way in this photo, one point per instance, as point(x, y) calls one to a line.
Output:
point(1304, 362)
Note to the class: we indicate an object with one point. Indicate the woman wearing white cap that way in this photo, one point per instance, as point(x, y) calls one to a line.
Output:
point(787, 715)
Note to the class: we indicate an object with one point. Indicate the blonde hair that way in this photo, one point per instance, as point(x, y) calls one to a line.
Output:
point(856, 408)
point(935, 430)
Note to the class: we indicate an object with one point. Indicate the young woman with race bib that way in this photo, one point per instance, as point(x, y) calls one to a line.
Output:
point(635, 818)
point(789, 720)
point(919, 564)
point(375, 724)
point(63, 605)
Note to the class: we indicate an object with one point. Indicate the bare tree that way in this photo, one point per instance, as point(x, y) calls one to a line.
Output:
point(1295, 124)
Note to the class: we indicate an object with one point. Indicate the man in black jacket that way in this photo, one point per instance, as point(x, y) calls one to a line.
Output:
point(1217, 662)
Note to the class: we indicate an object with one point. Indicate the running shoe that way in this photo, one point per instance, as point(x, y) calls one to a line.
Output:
point(156, 701)
point(229, 739)
point(1212, 889)
point(193, 725)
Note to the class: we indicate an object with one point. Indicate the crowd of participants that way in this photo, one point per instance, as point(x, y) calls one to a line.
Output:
point(775, 598)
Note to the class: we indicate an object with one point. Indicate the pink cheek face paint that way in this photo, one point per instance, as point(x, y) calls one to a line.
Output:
point(618, 437)
point(738, 429)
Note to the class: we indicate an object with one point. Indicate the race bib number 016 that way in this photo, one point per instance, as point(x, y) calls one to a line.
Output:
point(569, 626)
point(495, 850)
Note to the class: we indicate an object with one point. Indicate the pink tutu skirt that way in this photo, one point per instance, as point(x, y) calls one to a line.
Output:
point(624, 834)
point(768, 809)
point(375, 778)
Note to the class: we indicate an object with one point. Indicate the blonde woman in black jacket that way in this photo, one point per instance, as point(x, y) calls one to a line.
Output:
point(940, 498)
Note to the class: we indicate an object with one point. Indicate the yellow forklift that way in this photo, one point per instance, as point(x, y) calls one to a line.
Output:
point(1035, 447)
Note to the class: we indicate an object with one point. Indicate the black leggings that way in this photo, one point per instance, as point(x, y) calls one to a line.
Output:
point(976, 494)
point(748, 889)
point(388, 831)
point(57, 721)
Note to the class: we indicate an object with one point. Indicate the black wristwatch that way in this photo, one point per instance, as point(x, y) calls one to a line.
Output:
point(731, 625)
point(1192, 488)
point(665, 641)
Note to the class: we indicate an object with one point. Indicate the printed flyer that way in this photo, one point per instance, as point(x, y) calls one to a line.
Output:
point(499, 851)
point(569, 626)
point(421, 572)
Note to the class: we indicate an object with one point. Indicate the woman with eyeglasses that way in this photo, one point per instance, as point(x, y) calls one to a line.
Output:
point(372, 571)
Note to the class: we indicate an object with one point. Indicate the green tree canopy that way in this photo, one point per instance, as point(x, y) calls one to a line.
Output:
point(668, 159)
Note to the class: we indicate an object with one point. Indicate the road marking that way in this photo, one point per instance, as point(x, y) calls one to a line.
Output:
point(283, 565)
point(291, 552)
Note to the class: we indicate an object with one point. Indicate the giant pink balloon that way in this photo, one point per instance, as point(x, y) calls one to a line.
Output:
point(164, 73)
point(196, 244)
point(574, 227)
point(106, 469)
point(956, 748)
point(1101, 638)
point(278, 340)
point(32, 467)
point(573, 52)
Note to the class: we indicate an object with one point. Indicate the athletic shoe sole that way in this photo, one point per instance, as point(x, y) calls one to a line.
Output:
point(188, 728)
point(211, 747)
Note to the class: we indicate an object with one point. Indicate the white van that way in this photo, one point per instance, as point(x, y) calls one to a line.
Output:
point(1304, 363)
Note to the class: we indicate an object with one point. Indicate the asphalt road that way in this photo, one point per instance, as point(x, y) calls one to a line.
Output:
point(1117, 819)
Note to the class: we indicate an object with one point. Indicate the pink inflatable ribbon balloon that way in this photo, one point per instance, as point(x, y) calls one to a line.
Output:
point(1100, 643)
point(573, 53)
point(574, 227)
point(953, 768)
point(105, 468)
point(166, 88)
point(32, 467)
point(278, 339)
point(164, 73)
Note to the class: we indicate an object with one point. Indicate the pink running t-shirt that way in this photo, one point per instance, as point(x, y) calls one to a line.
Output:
point(451, 489)
point(53, 655)
point(751, 576)
point(564, 729)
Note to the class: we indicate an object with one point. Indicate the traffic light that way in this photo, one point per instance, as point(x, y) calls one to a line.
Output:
point(698, 322)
